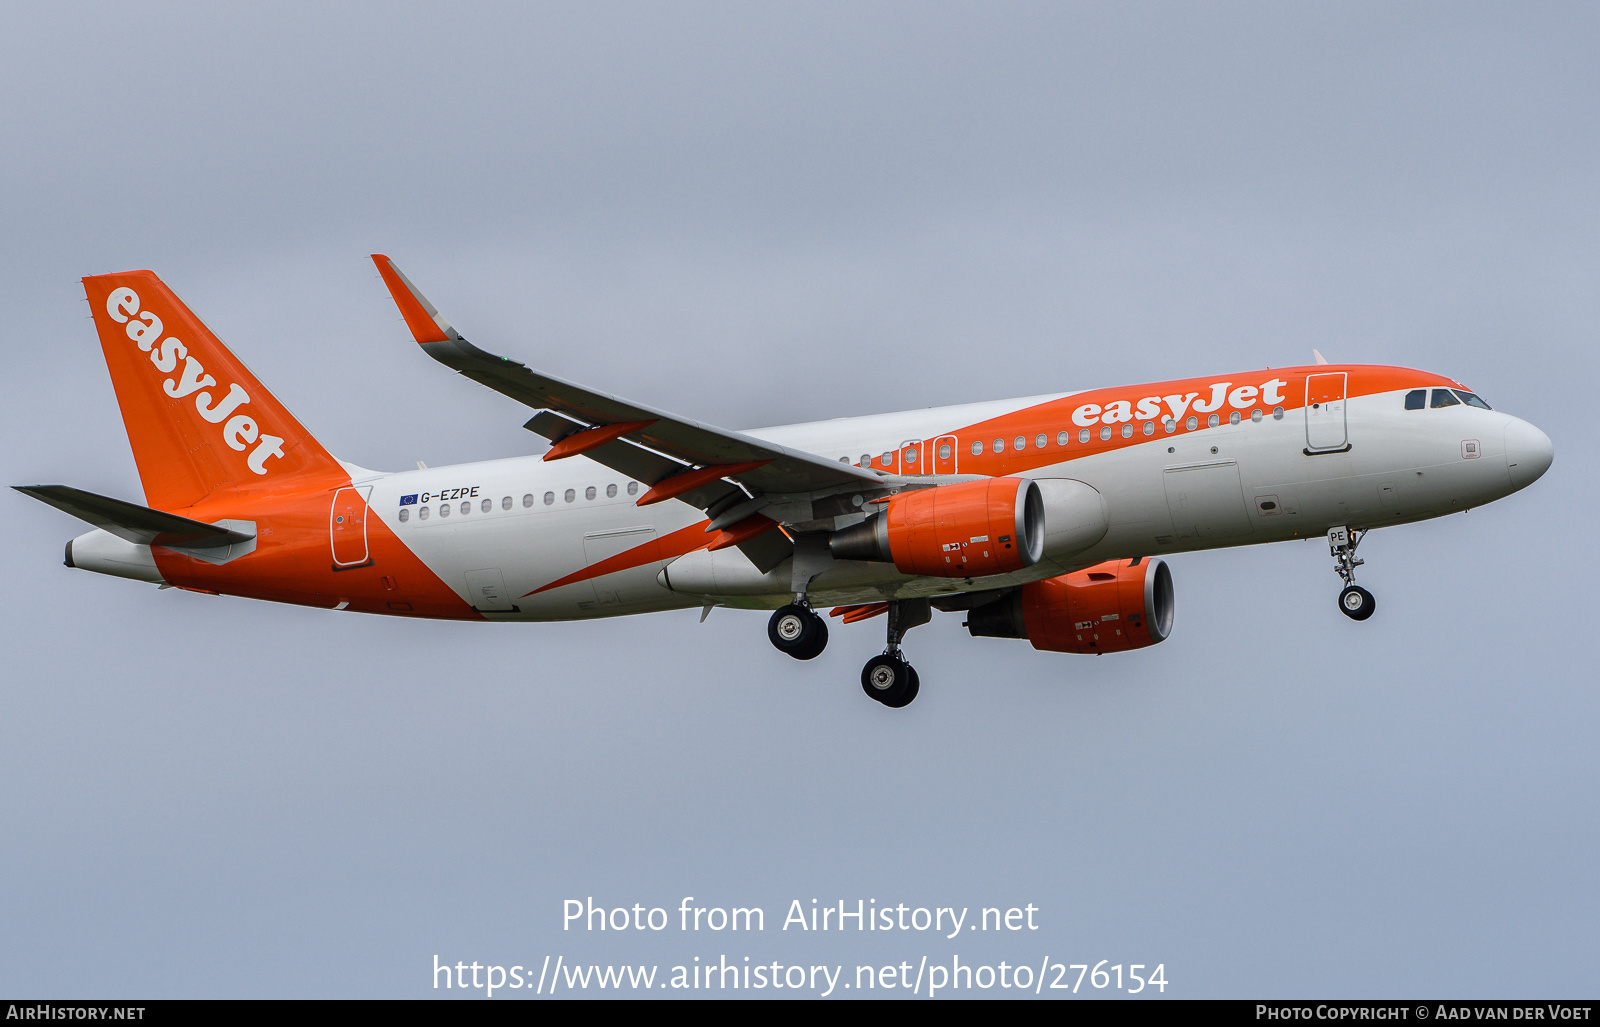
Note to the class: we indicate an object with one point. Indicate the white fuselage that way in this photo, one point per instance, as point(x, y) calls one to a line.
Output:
point(534, 522)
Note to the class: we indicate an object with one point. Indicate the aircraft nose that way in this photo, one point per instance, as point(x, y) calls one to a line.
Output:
point(1528, 453)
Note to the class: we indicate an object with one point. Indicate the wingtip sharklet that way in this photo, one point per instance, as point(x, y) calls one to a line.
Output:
point(422, 317)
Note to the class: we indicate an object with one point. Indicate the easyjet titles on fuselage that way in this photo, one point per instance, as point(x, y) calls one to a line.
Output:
point(1268, 393)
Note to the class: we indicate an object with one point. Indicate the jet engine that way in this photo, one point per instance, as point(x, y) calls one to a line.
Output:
point(966, 530)
point(1110, 607)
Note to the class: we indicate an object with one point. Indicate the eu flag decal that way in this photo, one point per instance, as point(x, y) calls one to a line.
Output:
point(410, 500)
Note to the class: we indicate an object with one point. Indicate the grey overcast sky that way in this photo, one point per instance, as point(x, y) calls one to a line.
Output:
point(763, 213)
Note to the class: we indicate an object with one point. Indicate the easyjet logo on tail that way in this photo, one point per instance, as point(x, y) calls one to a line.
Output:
point(239, 430)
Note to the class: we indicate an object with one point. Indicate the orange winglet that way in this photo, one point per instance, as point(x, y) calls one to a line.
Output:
point(593, 438)
point(866, 611)
point(418, 318)
point(744, 531)
point(688, 481)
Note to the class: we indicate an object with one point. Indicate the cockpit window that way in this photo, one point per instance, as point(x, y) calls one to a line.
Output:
point(1444, 398)
point(1416, 399)
point(1471, 400)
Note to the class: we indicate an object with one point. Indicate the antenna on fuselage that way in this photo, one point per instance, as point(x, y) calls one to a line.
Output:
point(1320, 358)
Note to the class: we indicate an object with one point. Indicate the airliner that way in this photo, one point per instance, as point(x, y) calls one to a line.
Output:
point(1046, 518)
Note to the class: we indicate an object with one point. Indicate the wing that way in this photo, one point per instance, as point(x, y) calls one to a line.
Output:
point(678, 457)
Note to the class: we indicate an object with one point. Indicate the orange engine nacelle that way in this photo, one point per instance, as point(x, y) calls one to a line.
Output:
point(1122, 604)
point(967, 530)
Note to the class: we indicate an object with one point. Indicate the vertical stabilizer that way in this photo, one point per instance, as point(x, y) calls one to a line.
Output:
point(197, 419)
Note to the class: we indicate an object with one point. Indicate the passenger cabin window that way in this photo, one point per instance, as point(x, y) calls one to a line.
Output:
point(1471, 400)
point(1416, 399)
point(1444, 398)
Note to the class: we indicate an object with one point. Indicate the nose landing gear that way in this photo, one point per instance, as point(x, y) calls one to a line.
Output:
point(888, 678)
point(1355, 602)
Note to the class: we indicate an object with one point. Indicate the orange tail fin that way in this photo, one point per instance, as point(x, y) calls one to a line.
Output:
point(197, 419)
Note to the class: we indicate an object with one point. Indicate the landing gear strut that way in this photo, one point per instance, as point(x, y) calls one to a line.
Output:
point(888, 678)
point(1355, 602)
point(795, 630)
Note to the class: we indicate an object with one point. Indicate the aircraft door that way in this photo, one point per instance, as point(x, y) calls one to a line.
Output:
point(912, 459)
point(1325, 412)
point(347, 528)
point(1206, 501)
point(944, 454)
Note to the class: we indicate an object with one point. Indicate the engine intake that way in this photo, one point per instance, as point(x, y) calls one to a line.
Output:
point(1108, 608)
point(967, 530)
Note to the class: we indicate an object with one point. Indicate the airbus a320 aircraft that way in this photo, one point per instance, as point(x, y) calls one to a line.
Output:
point(1042, 518)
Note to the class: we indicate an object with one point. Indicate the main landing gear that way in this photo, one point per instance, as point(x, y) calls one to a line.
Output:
point(797, 631)
point(1355, 602)
point(888, 678)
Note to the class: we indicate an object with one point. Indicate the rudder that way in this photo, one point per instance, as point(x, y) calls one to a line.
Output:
point(197, 419)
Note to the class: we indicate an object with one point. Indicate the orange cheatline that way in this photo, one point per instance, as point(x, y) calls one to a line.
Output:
point(593, 438)
point(745, 530)
point(688, 481)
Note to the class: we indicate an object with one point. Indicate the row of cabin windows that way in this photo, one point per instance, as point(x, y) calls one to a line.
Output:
point(487, 505)
point(1040, 441)
point(1416, 398)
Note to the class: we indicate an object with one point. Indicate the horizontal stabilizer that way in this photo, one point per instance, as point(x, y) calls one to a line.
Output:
point(137, 524)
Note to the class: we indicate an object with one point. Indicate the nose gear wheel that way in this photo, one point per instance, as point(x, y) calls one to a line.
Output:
point(1357, 603)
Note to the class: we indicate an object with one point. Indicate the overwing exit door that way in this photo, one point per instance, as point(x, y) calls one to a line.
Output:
point(944, 454)
point(911, 458)
point(1325, 416)
point(347, 528)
